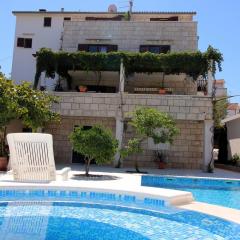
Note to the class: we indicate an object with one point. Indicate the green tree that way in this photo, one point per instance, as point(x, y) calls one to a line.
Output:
point(8, 109)
point(96, 143)
point(149, 123)
point(21, 102)
point(35, 106)
point(219, 111)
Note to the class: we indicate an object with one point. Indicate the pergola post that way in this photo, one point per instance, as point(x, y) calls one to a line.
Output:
point(210, 80)
point(208, 145)
point(120, 115)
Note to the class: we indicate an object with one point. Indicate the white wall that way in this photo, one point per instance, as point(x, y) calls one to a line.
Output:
point(31, 26)
point(233, 133)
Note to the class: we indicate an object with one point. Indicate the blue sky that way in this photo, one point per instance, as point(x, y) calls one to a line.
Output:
point(218, 25)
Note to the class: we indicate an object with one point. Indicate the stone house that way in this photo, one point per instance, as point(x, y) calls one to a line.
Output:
point(157, 32)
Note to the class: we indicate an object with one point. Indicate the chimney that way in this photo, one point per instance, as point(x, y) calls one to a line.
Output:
point(62, 9)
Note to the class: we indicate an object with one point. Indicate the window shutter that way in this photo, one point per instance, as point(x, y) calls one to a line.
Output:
point(165, 49)
point(83, 47)
point(20, 42)
point(47, 22)
point(28, 43)
point(112, 48)
point(143, 48)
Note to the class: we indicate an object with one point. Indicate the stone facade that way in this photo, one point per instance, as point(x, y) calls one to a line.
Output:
point(129, 35)
point(136, 16)
point(60, 132)
point(180, 107)
point(185, 152)
point(88, 109)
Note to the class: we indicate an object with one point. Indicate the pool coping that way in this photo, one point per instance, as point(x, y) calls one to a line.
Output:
point(171, 197)
point(229, 214)
point(198, 177)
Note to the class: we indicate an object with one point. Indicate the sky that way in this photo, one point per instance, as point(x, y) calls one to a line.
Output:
point(218, 25)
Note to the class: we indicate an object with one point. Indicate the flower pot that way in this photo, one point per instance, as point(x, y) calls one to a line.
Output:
point(162, 91)
point(82, 88)
point(3, 163)
point(200, 93)
point(162, 165)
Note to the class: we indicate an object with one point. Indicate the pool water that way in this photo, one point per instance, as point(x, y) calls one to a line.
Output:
point(81, 221)
point(224, 197)
point(214, 191)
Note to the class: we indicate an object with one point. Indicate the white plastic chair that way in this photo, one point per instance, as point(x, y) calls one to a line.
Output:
point(32, 158)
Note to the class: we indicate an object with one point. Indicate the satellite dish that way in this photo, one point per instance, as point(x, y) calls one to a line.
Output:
point(112, 8)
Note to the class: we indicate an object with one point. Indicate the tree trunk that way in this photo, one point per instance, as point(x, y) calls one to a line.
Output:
point(136, 166)
point(87, 166)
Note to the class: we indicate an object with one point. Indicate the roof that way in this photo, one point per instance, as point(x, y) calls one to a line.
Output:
point(233, 106)
point(220, 81)
point(78, 12)
point(229, 119)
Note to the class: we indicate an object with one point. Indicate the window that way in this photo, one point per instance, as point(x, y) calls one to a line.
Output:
point(47, 22)
point(20, 42)
point(24, 42)
point(155, 48)
point(28, 43)
point(67, 19)
point(97, 48)
point(173, 19)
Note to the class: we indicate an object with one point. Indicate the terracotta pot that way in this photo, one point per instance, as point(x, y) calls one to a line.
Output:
point(82, 88)
point(3, 163)
point(162, 165)
point(162, 91)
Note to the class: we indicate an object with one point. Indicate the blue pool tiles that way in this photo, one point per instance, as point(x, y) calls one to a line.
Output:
point(148, 180)
point(214, 191)
point(56, 220)
point(111, 198)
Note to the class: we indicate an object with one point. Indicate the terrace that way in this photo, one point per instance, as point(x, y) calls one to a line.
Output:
point(104, 87)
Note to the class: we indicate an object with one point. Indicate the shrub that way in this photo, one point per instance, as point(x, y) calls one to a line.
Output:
point(96, 143)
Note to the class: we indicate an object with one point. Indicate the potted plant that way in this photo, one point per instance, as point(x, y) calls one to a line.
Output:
point(146, 123)
point(160, 158)
point(82, 88)
point(162, 89)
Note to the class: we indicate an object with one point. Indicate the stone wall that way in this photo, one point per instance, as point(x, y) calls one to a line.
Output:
point(182, 36)
point(101, 108)
point(180, 107)
point(186, 151)
point(60, 132)
point(145, 17)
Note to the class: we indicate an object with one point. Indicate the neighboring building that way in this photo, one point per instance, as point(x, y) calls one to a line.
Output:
point(233, 109)
point(233, 134)
point(158, 32)
point(221, 90)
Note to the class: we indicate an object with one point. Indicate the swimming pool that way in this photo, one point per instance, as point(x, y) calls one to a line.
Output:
point(44, 215)
point(214, 191)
